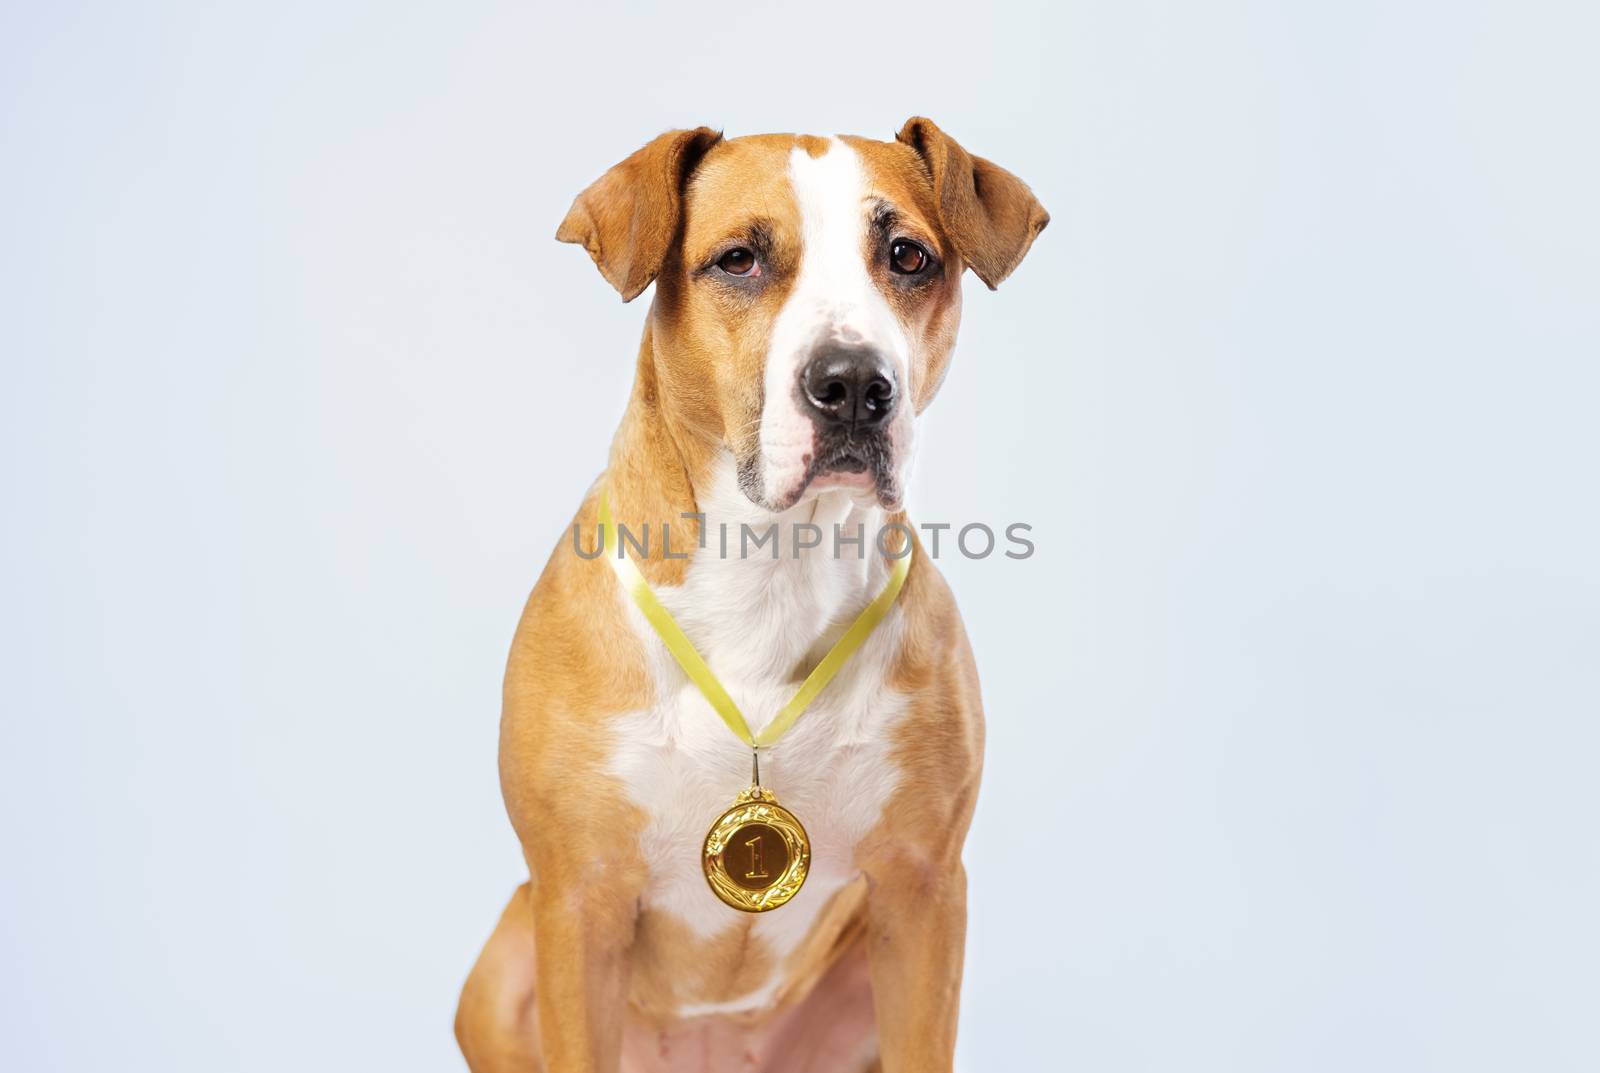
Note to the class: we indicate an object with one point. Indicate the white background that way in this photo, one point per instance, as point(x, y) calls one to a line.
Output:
point(1292, 717)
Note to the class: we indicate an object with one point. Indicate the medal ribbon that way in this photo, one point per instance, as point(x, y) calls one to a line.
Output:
point(700, 674)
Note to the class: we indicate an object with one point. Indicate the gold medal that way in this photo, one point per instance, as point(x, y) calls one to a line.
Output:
point(756, 854)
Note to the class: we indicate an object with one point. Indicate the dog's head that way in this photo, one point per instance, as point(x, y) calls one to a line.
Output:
point(807, 289)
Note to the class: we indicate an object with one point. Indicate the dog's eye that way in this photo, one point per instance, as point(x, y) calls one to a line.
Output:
point(737, 262)
point(906, 257)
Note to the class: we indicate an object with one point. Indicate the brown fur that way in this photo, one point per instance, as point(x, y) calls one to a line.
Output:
point(575, 978)
point(990, 214)
point(629, 218)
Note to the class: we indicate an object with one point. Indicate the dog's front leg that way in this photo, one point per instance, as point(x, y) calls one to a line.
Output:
point(583, 934)
point(917, 926)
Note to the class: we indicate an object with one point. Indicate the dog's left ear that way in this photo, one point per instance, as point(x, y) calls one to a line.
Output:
point(990, 215)
point(628, 218)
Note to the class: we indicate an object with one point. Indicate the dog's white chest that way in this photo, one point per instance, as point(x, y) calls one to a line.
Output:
point(684, 768)
point(834, 770)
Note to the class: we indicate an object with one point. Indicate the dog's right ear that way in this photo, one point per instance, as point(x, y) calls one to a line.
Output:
point(628, 218)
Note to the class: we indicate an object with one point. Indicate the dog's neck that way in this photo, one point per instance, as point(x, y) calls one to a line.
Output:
point(751, 611)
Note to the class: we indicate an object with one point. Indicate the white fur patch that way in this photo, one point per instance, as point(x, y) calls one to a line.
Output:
point(834, 293)
point(762, 624)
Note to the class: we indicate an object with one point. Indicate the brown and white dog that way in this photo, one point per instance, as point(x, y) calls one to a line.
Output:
point(807, 296)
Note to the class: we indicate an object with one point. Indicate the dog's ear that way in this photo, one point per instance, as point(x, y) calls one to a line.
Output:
point(628, 218)
point(990, 215)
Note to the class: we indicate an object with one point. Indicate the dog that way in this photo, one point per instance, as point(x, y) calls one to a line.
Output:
point(807, 295)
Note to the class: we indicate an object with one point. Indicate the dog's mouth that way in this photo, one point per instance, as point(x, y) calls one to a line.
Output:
point(855, 462)
point(848, 454)
point(861, 464)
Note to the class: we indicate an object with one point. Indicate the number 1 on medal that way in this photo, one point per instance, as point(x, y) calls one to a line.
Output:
point(756, 871)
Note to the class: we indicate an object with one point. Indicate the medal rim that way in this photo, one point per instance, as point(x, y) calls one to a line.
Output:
point(782, 820)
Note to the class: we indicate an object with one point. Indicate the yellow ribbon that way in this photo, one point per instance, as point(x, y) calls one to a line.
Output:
point(699, 673)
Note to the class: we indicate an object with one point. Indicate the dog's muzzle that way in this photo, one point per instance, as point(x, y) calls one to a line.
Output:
point(850, 393)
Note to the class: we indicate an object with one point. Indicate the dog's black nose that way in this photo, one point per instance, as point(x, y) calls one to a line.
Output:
point(847, 386)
